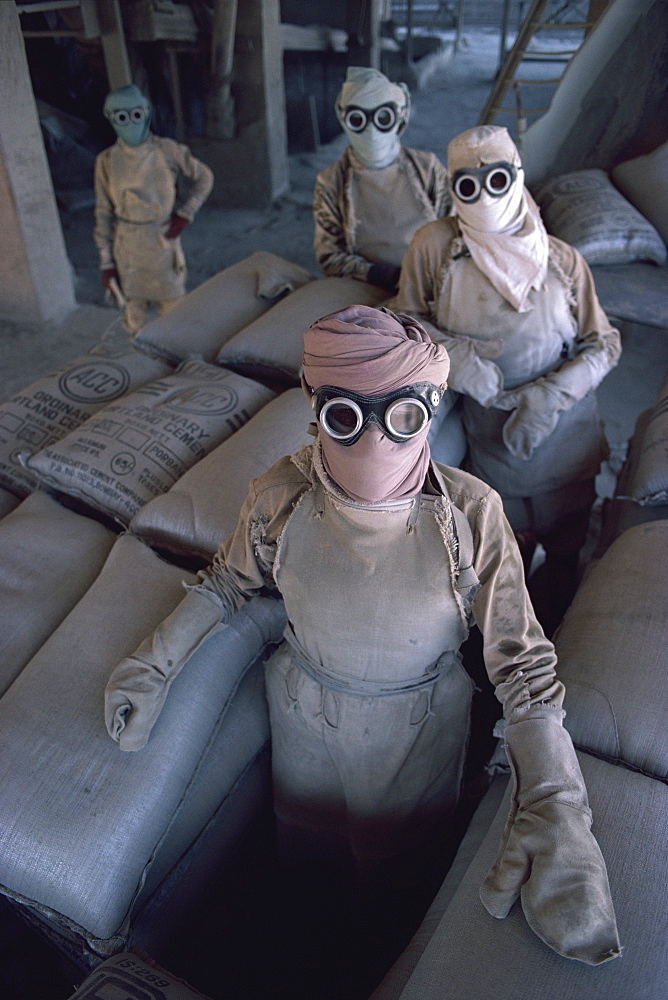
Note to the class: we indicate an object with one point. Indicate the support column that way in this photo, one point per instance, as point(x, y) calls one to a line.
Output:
point(35, 274)
point(251, 169)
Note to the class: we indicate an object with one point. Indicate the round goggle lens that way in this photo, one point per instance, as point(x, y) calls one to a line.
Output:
point(341, 418)
point(355, 120)
point(406, 417)
point(499, 181)
point(124, 117)
point(467, 188)
point(385, 118)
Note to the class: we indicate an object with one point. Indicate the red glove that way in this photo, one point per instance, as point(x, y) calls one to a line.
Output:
point(175, 226)
point(106, 276)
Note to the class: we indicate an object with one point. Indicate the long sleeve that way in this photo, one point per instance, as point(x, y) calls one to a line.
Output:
point(419, 286)
point(520, 661)
point(331, 243)
point(244, 563)
point(198, 176)
point(103, 233)
point(138, 686)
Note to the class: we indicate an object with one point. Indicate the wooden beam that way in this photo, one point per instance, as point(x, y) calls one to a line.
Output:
point(115, 52)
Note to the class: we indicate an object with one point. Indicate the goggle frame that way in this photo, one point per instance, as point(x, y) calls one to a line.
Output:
point(481, 179)
point(425, 395)
point(135, 116)
point(371, 115)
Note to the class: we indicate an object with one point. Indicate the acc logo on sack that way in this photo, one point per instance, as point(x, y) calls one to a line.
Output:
point(206, 401)
point(94, 381)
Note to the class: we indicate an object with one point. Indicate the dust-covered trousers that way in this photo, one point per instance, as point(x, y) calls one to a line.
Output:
point(369, 701)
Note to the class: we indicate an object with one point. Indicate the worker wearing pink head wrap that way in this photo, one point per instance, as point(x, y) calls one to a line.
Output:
point(374, 352)
point(383, 559)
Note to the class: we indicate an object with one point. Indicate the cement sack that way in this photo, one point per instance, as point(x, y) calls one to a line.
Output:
point(136, 448)
point(58, 403)
point(585, 209)
point(214, 311)
point(83, 822)
point(611, 647)
point(272, 346)
point(49, 557)
point(132, 974)
point(202, 509)
point(649, 483)
point(8, 501)
point(644, 181)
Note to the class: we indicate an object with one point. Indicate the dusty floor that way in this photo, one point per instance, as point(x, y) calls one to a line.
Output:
point(449, 102)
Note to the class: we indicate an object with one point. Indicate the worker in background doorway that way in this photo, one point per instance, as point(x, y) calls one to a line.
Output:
point(138, 221)
point(529, 343)
point(369, 203)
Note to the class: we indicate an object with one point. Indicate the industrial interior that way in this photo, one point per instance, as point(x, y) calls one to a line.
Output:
point(139, 412)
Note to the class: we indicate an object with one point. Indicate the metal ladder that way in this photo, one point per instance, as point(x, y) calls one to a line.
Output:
point(537, 18)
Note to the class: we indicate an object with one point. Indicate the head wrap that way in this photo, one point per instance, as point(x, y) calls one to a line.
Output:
point(369, 88)
point(373, 351)
point(505, 236)
point(127, 99)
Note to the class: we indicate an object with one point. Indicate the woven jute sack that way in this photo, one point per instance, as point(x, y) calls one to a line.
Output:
point(218, 308)
point(58, 403)
point(202, 508)
point(136, 448)
point(272, 346)
point(49, 557)
point(649, 482)
point(585, 209)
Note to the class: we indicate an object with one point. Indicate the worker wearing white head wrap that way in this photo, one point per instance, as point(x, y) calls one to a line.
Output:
point(498, 218)
point(528, 342)
point(369, 203)
point(137, 219)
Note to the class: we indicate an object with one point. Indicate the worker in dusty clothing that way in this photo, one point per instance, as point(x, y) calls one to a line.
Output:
point(529, 343)
point(138, 221)
point(383, 558)
point(369, 203)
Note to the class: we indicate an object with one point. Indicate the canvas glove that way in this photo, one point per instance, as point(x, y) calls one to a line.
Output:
point(536, 406)
point(535, 414)
point(138, 686)
point(472, 370)
point(548, 854)
point(175, 226)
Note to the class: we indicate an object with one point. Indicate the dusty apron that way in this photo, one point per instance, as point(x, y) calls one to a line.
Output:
point(369, 702)
point(530, 344)
point(379, 196)
point(142, 190)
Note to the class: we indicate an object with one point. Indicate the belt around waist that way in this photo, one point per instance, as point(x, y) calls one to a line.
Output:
point(365, 688)
point(144, 222)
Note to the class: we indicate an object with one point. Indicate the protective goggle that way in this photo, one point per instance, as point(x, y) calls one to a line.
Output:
point(384, 117)
point(495, 178)
point(400, 414)
point(124, 116)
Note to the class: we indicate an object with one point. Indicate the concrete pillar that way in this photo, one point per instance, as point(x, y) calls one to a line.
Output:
point(36, 280)
point(251, 169)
